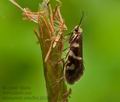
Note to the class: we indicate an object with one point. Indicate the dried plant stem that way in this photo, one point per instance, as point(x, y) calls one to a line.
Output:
point(50, 35)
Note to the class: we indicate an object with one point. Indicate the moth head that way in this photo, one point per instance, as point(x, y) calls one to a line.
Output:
point(78, 29)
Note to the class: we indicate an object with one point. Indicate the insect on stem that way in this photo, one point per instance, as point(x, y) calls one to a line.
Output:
point(74, 66)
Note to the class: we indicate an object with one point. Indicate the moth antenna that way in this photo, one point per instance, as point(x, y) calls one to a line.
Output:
point(81, 19)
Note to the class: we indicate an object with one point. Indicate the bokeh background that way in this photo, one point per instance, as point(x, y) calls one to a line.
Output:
point(21, 70)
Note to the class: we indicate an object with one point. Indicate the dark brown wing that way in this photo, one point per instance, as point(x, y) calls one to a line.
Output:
point(74, 66)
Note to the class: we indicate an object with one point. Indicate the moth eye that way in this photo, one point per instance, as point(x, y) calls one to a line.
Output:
point(76, 30)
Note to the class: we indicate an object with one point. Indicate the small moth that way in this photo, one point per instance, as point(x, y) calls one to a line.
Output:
point(73, 67)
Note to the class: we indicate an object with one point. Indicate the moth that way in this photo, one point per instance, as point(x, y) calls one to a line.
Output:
point(73, 67)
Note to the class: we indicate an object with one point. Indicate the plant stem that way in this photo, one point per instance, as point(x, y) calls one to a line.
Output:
point(50, 36)
point(53, 71)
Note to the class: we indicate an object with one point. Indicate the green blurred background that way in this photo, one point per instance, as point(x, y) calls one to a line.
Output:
point(21, 71)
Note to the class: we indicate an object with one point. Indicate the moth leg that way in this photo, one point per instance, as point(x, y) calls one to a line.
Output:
point(66, 49)
point(63, 60)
